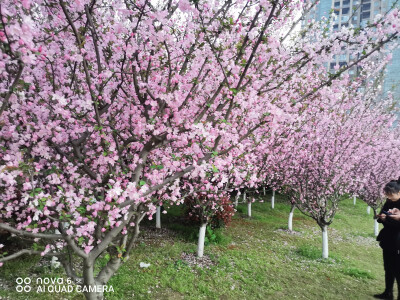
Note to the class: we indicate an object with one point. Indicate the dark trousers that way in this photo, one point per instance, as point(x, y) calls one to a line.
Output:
point(391, 264)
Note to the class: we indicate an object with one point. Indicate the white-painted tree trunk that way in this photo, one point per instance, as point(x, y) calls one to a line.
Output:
point(325, 248)
point(368, 210)
point(158, 217)
point(376, 227)
point(244, 197)
point(54, 260)
point(354, 200)
point(237, 199)
point(290, 221)
point(249, 209)
point(264, 190)
point(200, 244)
point(273, 199)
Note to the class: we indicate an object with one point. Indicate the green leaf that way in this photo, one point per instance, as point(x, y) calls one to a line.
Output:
point(234, 91)
point(142, 182)
point(158, 167)
point(215, 169)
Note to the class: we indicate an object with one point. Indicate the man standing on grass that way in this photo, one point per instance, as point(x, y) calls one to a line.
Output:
point(389, 238)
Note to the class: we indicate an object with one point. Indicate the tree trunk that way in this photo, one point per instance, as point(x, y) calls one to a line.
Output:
point(249, 209)
point(200, 244)
point(376, 227)
point(244, 197)
point(90, 283)
point(158, 217)
point(325, 248)
point(264, 190)
point(273, 199)
point(290, 221)
point(237, 199)
point(54, 260)
point(354, 200)
point(368, 210)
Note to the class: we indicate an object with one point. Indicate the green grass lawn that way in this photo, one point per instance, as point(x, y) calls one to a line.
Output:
point(252, 259)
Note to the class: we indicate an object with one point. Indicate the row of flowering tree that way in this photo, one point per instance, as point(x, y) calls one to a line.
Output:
point(332, 153)
point(107, 104)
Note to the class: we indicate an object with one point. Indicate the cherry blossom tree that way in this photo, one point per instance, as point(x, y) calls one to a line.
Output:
point(325, 164)
point(377, 172)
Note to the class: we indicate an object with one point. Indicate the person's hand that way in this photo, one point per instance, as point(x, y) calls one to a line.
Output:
point(381, 216)
point(395, 214)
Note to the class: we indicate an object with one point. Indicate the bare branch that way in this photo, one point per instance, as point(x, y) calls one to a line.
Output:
point(31, 234)
point(28, 252)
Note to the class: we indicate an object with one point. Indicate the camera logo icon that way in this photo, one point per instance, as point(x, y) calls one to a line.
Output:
point(23, 284)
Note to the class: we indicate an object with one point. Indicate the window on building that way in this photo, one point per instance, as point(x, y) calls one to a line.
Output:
point(336, 26)
point(345, 11)
point(366, 6)
point(332, 65)
point(342, 63)
point(337, 4)
point(345, 25)
point(365, 15)
point(345, 19)
point(345, 3)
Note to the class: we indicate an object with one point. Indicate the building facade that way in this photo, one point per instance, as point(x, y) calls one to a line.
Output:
point(359, 13)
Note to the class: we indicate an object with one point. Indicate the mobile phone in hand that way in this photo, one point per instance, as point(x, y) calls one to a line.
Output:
point(386, 213)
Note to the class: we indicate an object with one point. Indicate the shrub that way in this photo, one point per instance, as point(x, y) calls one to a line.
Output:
point(216, 211)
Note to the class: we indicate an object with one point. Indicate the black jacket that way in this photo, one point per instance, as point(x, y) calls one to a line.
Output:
point(389, 236)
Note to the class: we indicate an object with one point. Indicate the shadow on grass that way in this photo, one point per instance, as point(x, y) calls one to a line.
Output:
point(314, 253)
point(187, 230)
